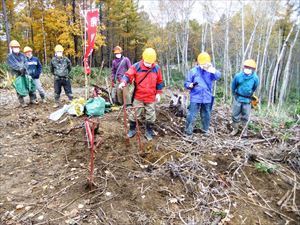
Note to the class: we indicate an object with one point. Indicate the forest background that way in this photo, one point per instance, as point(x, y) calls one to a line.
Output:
point(230, 31)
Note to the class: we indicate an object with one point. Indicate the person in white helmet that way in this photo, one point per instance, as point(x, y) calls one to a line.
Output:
point(60, 67)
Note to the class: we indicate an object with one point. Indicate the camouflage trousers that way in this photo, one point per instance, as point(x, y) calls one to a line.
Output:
point(149, 109)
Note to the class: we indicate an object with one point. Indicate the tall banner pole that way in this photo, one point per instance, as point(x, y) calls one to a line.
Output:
point(85, 72)
point(91, 20)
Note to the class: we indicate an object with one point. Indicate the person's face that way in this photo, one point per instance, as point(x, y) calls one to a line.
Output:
point(205, 66)
point(59, 54)
point(247, 70)
point(28, 54)
point(16, 50)
point(118, 55)
point(147, 64)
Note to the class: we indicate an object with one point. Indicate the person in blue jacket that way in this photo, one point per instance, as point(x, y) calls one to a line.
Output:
point(34, 69)
point(17, 63)
point(199, 82)
point(243, 86)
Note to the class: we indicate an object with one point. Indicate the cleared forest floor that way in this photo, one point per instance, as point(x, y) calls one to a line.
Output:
point(217, 179)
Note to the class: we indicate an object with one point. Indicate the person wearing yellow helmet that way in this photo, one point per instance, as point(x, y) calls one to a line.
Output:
point(243, 85)
point(60, 67)
point(17, 63)
point(148, 88)
point(119, 66)
point(199, 83)
point(34, 69)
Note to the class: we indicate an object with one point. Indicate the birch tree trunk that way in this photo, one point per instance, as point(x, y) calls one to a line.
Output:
point(272, 93)
point(258, 51)
point(183, 11)
point(7, 28)
point(261, 71)
point(226, 54)
point(268, 77)
point(250, 40)
point(212, 44)
point(203, 38)
point(251, 46)
point(178, 52)
point(243, 31)
point(213, 55)
point(286, 75)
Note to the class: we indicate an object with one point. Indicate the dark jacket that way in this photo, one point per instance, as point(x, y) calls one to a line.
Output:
point(60, 67)
point(117, 75)
point(17, 63)
point(34, 67)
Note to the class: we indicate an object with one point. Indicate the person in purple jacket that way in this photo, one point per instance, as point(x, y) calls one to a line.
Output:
point(120, 65)
point(199, 82)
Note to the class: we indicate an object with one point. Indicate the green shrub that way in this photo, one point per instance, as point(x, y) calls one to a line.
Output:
point(279, 119)
point(4, 67)
point(219, 213)
point(264, 168)
point(254, 127)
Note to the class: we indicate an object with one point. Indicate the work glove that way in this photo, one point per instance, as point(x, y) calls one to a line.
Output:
point(121, 85)
point(157, 97)
point(112, 84)
point(211, 69)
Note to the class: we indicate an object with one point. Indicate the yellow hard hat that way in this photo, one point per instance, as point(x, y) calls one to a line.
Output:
point(149, 55)
point(27, 49)
point(117, 50)
point(203, 58)
point(14, 43)
point(58, 48)
point(250, 63)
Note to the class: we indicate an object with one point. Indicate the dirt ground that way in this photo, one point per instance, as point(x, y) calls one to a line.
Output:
point(44, 167)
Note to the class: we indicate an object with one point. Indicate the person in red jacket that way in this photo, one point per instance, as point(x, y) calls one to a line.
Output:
point(148, 83)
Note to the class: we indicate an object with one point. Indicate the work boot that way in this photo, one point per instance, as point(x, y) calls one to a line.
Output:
point(22, 103)
point(188, 129)
point(57, 102)
point(205, 134)
point(132, 129)
point(235, 130)
point(244, 130)
point(34, 102)
point(149, 132)
point(43, 98)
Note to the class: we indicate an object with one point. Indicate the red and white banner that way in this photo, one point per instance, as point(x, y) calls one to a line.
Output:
point(91, 19)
